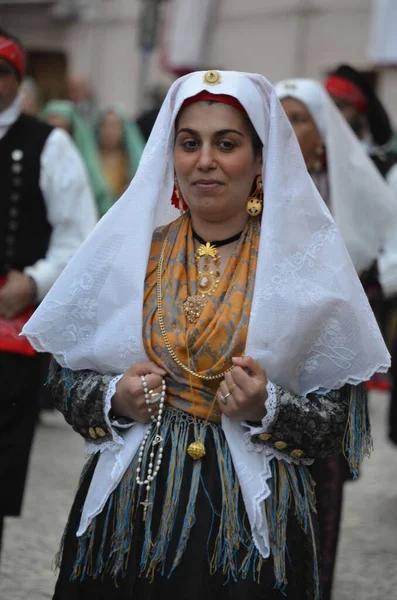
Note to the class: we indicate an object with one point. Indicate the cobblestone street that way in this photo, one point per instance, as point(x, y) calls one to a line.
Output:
point(367, 565)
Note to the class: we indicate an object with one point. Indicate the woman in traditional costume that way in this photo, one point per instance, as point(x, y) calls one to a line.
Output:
point(120, 145)
point(62, 113)
point(362, 205)
point(207, 359)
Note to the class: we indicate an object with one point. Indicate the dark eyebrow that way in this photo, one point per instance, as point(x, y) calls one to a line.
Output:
point(221, 132)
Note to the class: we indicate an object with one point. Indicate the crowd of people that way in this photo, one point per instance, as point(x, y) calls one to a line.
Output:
point(215, 337)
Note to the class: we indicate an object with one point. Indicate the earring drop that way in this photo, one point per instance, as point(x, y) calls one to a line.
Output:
point(254, 204)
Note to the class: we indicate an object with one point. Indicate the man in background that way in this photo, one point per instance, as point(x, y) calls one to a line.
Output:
point(46, 211)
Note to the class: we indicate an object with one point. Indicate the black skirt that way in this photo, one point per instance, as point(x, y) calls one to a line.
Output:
point(190, 546)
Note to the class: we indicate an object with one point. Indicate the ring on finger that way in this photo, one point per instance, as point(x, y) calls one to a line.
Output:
point(231, 388)
point(224, 398)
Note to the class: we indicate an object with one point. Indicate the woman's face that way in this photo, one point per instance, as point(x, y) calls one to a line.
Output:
point(215, 164)
point(110, 132)
point(357, 120)
point(305, 129)
point(58, 121)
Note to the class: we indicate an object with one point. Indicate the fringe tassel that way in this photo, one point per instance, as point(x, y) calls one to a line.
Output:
point(108, 550)
point(190, 517)
point(121, 512)
point(292, 489)
point(66, 378)
point(230, 534)
point(357, 441)
point(158, 548)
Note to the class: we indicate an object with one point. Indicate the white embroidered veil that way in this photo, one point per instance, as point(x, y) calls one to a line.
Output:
point(311, 325)
point(361, 202)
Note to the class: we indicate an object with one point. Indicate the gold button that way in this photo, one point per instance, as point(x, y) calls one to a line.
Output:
point(264, 436)
point(92, 433)
point(212, 77)
point(100, 432)
point(297, 453)
point(280, 445)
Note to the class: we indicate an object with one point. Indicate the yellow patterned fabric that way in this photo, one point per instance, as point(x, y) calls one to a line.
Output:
point(208, 345)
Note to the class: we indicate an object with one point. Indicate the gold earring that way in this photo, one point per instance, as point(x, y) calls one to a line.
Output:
point(254, 204)
point(318, 162)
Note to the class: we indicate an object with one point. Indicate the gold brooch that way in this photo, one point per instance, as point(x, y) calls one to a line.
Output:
point(212, 77)
point(290, 86)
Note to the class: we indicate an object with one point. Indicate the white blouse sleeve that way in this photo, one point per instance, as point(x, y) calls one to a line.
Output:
point(70, 207)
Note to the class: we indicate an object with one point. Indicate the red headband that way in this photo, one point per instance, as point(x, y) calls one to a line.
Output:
point(14, 54)
point(223, 98)
point(346, 90)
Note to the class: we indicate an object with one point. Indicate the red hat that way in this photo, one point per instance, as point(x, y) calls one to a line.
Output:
point(14, 54)
point(346, 90)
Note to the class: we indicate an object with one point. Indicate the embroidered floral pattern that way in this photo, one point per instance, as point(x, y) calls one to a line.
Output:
point(288, 269)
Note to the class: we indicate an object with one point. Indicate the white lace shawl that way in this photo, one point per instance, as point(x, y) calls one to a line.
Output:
point(311, 325)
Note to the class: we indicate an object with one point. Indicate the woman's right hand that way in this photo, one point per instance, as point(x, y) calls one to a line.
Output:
point(129, 399)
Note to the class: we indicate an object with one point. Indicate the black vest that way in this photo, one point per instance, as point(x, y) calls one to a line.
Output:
point(24, 228)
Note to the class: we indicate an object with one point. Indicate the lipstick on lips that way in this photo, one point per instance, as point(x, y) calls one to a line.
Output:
point(207, 184)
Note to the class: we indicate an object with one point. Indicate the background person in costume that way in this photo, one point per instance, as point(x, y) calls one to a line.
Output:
point(46, 211)
point(120, 146)
point(198, 480)
point(367, 116)
point(62, 113)
point(359, 200)
point(80, 95)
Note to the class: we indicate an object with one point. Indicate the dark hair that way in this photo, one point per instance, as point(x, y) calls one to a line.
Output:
point(255, 139)
point(14, 38)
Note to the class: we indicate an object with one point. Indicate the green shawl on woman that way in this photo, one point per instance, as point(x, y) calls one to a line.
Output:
point(133, 140)
point(85, 143)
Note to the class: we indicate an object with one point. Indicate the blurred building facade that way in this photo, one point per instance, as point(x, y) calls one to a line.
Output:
point(278, 38)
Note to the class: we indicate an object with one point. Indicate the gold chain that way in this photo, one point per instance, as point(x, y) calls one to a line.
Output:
point(164, 333)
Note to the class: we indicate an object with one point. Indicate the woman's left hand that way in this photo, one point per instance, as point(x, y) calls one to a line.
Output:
point(244, 391)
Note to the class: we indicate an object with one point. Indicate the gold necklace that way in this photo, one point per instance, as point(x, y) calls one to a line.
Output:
point(207, 281)
point(163, 330)
point(196, 449)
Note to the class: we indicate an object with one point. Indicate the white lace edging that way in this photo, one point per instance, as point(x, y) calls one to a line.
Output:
point(272, 408)
point(271, 404)
point(117, 441)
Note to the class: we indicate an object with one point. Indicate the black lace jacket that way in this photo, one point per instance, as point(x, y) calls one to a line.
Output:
point(304, 427)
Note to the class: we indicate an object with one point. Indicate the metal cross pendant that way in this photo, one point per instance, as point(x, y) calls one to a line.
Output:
point(145, 505)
